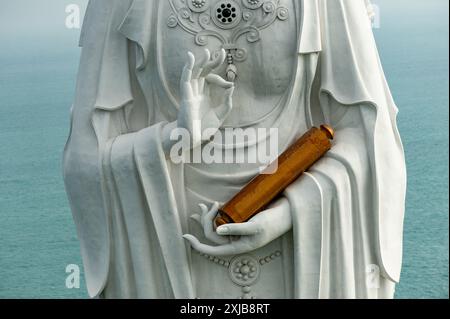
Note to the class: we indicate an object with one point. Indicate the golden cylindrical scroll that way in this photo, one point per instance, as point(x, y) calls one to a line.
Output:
point(264, 188)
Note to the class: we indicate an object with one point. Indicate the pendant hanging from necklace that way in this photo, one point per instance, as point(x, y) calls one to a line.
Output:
point(231, 69)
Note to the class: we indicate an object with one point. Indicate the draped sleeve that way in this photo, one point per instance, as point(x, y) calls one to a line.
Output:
point(349, 73)
point(103, 84)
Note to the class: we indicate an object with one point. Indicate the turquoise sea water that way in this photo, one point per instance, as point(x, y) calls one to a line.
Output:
point(38, 66)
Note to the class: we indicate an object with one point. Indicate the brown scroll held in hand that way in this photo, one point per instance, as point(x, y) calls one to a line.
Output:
point(260, 192)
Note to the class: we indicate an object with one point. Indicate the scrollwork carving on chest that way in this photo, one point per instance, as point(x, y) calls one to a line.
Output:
point(227, 21)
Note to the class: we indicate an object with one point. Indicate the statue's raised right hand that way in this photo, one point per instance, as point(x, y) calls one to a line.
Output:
point(200, 113)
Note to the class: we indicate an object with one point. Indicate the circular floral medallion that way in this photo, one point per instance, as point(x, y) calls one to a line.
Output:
point(244, 270)
point(198, 5)
point(226, 14)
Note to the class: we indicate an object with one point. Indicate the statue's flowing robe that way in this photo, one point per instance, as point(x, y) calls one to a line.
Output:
point(124, 193)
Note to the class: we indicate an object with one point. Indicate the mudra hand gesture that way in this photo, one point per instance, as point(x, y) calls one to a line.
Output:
point(256, 233)
point(199, 113)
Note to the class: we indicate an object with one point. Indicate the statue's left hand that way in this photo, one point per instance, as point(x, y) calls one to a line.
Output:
point(256, 233)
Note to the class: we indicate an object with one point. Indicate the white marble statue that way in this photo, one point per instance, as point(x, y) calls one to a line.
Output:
point(145, 222)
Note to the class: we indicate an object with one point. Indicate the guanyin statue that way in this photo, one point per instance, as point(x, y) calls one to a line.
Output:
point(145, 222)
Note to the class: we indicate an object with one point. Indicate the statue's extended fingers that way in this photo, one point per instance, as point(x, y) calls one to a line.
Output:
point(214, 63)
point(206, 213)
point(219, 59)
point(219, 81)
point(208, 226)
point(186, 77)
point(187, 93)
point(201, 85)
point(241, 229)
point(203, 208)
point(222, 250)
point(228, 99)
point(205, 59)
point(214, 208)
point(211, 235)
point(225, 108)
